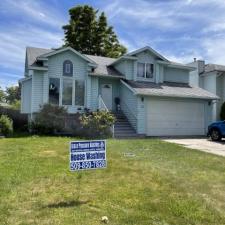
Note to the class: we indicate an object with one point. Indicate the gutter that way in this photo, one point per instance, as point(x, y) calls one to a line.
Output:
point(178, 96)
point(105, 75)
point(25, 79)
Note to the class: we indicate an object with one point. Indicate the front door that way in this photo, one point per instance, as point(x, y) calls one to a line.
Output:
point(106, 92)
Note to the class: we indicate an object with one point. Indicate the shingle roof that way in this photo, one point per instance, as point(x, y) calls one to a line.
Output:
point(33, 53)
point(170, 89)
point(214, 67)
point(103, 67)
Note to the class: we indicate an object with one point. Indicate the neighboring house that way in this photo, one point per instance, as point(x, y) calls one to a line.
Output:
point(155, 95)
point(211, 77)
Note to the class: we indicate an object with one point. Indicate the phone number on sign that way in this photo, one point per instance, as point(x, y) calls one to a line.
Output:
point(88, 165)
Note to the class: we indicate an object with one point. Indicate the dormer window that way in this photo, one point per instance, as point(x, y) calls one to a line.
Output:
point(145, 70)
point(67, 68)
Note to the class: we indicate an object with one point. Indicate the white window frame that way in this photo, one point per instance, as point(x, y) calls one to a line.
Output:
point(71, 79)
point(68, 68)
point(145, 72)
point(73, 91)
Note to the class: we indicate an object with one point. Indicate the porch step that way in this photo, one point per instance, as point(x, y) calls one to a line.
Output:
point(122, 127)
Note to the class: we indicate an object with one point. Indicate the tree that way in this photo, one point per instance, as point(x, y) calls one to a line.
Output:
point(89, 33)
point(2, 95)
point(12, 94)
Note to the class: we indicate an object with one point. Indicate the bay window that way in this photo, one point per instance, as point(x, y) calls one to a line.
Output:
point(145, 70)
point(67, 92)
point(79, 92)
point(54, 89)
point(70, 93)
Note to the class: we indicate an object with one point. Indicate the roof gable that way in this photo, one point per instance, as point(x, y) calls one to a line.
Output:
point(147, 48)
point(32, 54)
point(67, 49)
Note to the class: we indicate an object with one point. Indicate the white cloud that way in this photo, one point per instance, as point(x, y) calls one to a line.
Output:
point(215, 49)
point(13, 43)
point(34, 10)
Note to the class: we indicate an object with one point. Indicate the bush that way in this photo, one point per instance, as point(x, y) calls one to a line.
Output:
point(222, 112)
point(50, 120)
point(6, 125)
point(97, 124)
point(19, 120)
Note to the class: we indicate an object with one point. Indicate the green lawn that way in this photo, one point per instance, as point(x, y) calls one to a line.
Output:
point(162, 184)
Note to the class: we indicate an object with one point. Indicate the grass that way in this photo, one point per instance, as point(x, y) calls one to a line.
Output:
point(161, 184)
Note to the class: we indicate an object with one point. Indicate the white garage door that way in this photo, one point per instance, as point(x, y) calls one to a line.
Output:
point(167, 118)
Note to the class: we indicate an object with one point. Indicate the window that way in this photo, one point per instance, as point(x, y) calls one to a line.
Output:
point(141, 70)
point(54, 87)
point(79, 92)
point(67, 68)
point(67, 92)
point(145, 70)
point(149, 70)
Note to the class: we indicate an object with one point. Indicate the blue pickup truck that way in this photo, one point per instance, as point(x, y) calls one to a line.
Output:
point(216, 130)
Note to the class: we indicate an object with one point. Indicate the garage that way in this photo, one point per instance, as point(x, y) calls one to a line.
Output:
point(174, 117)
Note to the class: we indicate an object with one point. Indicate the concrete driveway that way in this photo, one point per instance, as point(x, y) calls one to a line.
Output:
point(202, 144)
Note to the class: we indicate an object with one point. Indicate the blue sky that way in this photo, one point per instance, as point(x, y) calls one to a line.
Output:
point(178, 29)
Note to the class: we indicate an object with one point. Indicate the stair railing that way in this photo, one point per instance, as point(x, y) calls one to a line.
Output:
point(102, 107)
point(101, 104)
point(129, 113)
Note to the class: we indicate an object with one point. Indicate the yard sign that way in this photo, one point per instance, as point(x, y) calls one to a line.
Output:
point(87, 155)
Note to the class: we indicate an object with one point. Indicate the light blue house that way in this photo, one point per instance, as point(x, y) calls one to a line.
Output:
point(154, 93)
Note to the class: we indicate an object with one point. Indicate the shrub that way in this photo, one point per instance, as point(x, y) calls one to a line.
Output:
point(16, 105)
point(19, 120)
point(97, 124)
point(222, 112)
point(50, 120)
point(6, 125)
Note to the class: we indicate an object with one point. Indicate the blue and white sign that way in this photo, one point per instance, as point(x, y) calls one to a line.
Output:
point(87, 155)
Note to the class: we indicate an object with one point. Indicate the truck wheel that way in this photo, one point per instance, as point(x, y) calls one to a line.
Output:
point(215, 135)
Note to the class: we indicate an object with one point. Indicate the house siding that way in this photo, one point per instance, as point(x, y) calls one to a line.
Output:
point(129, 105)
point(126, 67)
point(120, 66)
point(115, 89)
point(219, 92)
point(94, 93)
point(176, 75)
point(37, 91)
point(26, 96)
point(141, 122)
point(80, 72)
point(130, 70)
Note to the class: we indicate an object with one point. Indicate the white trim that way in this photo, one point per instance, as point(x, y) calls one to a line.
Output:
point(66, 49)
point(105, 75)
point(111, 87)
point(129, 87)
point(124, 57)
point(148, 49)
point(174, 65)
point(176, 96)
point(25, 79)
point(67, 78)
point(37, 68)
point(149, 79)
